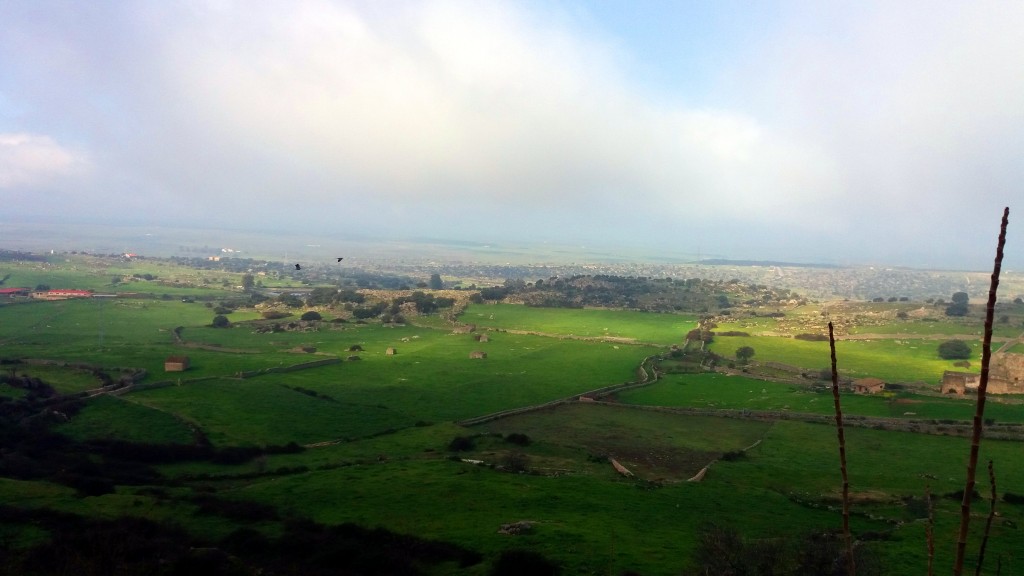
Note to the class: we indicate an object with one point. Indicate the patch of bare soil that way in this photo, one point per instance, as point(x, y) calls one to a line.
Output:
point(656, 464)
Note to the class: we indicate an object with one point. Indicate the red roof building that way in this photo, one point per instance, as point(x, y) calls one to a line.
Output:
point(62, 293)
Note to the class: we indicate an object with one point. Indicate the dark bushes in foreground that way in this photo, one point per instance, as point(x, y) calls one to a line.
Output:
point(129, 545)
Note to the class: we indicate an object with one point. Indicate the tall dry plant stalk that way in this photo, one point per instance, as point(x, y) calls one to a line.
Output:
point(979, 412)
point(988, 523)
point(929, 530)
point(851, 567)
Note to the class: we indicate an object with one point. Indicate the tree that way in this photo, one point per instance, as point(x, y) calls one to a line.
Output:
point(956, 309)
point(960, 298)
point(311, 315)
point(435, 282)
point(248, 282)
point(744, 354)
point(220, 321)
point(954, 350)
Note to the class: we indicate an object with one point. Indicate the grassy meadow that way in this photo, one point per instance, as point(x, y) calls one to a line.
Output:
point(583, 323)
point(382, 446)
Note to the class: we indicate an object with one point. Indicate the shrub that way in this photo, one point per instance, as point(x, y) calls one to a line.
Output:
point(220, 321)
point(518, 438)
point(954, 350)
point(812, 338)
point(461, 444)
point(1011, 498)
point(311, 315)
point(516, 462)
point(275, 314)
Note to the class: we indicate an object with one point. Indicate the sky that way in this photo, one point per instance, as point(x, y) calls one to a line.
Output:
point(840, 132)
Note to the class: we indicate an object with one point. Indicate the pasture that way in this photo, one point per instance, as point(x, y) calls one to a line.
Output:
point(664, 329)
point(721, 391)
point(378, 431)
point(892, 360)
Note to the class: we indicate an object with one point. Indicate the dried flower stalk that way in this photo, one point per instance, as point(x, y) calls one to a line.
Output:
point(979, 412)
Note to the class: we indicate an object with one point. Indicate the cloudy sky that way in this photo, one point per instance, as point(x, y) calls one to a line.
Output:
point(848, 132)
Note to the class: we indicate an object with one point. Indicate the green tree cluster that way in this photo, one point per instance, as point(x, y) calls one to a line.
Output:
point(954, 350)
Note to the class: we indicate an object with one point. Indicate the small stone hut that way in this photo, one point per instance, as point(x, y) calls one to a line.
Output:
point(867, 386)
point(959, 382)
point(482, 338)
point(176, 364)
point(390, 352)
point(478, 354)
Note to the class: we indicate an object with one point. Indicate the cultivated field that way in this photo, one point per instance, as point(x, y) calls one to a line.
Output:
point(376, 441)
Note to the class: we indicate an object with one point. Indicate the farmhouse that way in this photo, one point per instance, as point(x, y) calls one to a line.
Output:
point(12, 292)
point(176, 364)
point(1005, 376)
point(867, 386)
point(959, 382)
point(61, 294)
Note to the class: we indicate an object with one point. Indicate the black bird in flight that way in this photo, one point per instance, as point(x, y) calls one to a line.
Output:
point(297, 267)
point(340, 259)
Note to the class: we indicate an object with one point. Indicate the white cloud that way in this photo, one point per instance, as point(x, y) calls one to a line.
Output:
point(32, 160)
point(485, 103)
point(835, 117)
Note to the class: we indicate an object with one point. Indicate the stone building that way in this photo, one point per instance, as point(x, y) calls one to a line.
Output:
point(1005, 376)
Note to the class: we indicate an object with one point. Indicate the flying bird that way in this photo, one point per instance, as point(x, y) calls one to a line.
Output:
point(340, 259)
point(297, 267)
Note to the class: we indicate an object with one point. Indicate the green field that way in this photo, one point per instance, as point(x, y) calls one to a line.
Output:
point(720, 391)
point(589, 323)
point(376, 441)
point(890, 360)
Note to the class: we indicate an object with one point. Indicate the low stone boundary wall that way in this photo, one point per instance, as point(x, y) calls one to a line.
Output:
point(292, 368)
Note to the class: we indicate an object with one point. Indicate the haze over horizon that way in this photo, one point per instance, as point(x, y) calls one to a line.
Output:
point(788, 131)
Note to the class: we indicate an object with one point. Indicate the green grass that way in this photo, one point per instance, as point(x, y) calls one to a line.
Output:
point(65, 380)
point(587, 323)
point(392, 418)
point(111, 417)
point(719, 391)
point(262, 412)
point(890, 360)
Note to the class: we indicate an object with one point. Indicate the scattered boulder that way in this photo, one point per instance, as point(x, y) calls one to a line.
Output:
point(516, 528)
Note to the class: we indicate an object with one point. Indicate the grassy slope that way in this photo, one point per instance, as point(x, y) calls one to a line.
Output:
point(590, 323)
point(711, 390)
point(589, 518)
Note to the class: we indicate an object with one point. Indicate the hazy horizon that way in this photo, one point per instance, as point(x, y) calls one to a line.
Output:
point(872, 133)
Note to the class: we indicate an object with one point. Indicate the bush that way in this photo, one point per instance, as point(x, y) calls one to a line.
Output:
point(220, 321)
point(954, 350)
point(275, 314)
point(516, 462)
point(311, 315)
point(812, 338)
point(461, 444)
point(518, 438)
point(1011, 498)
